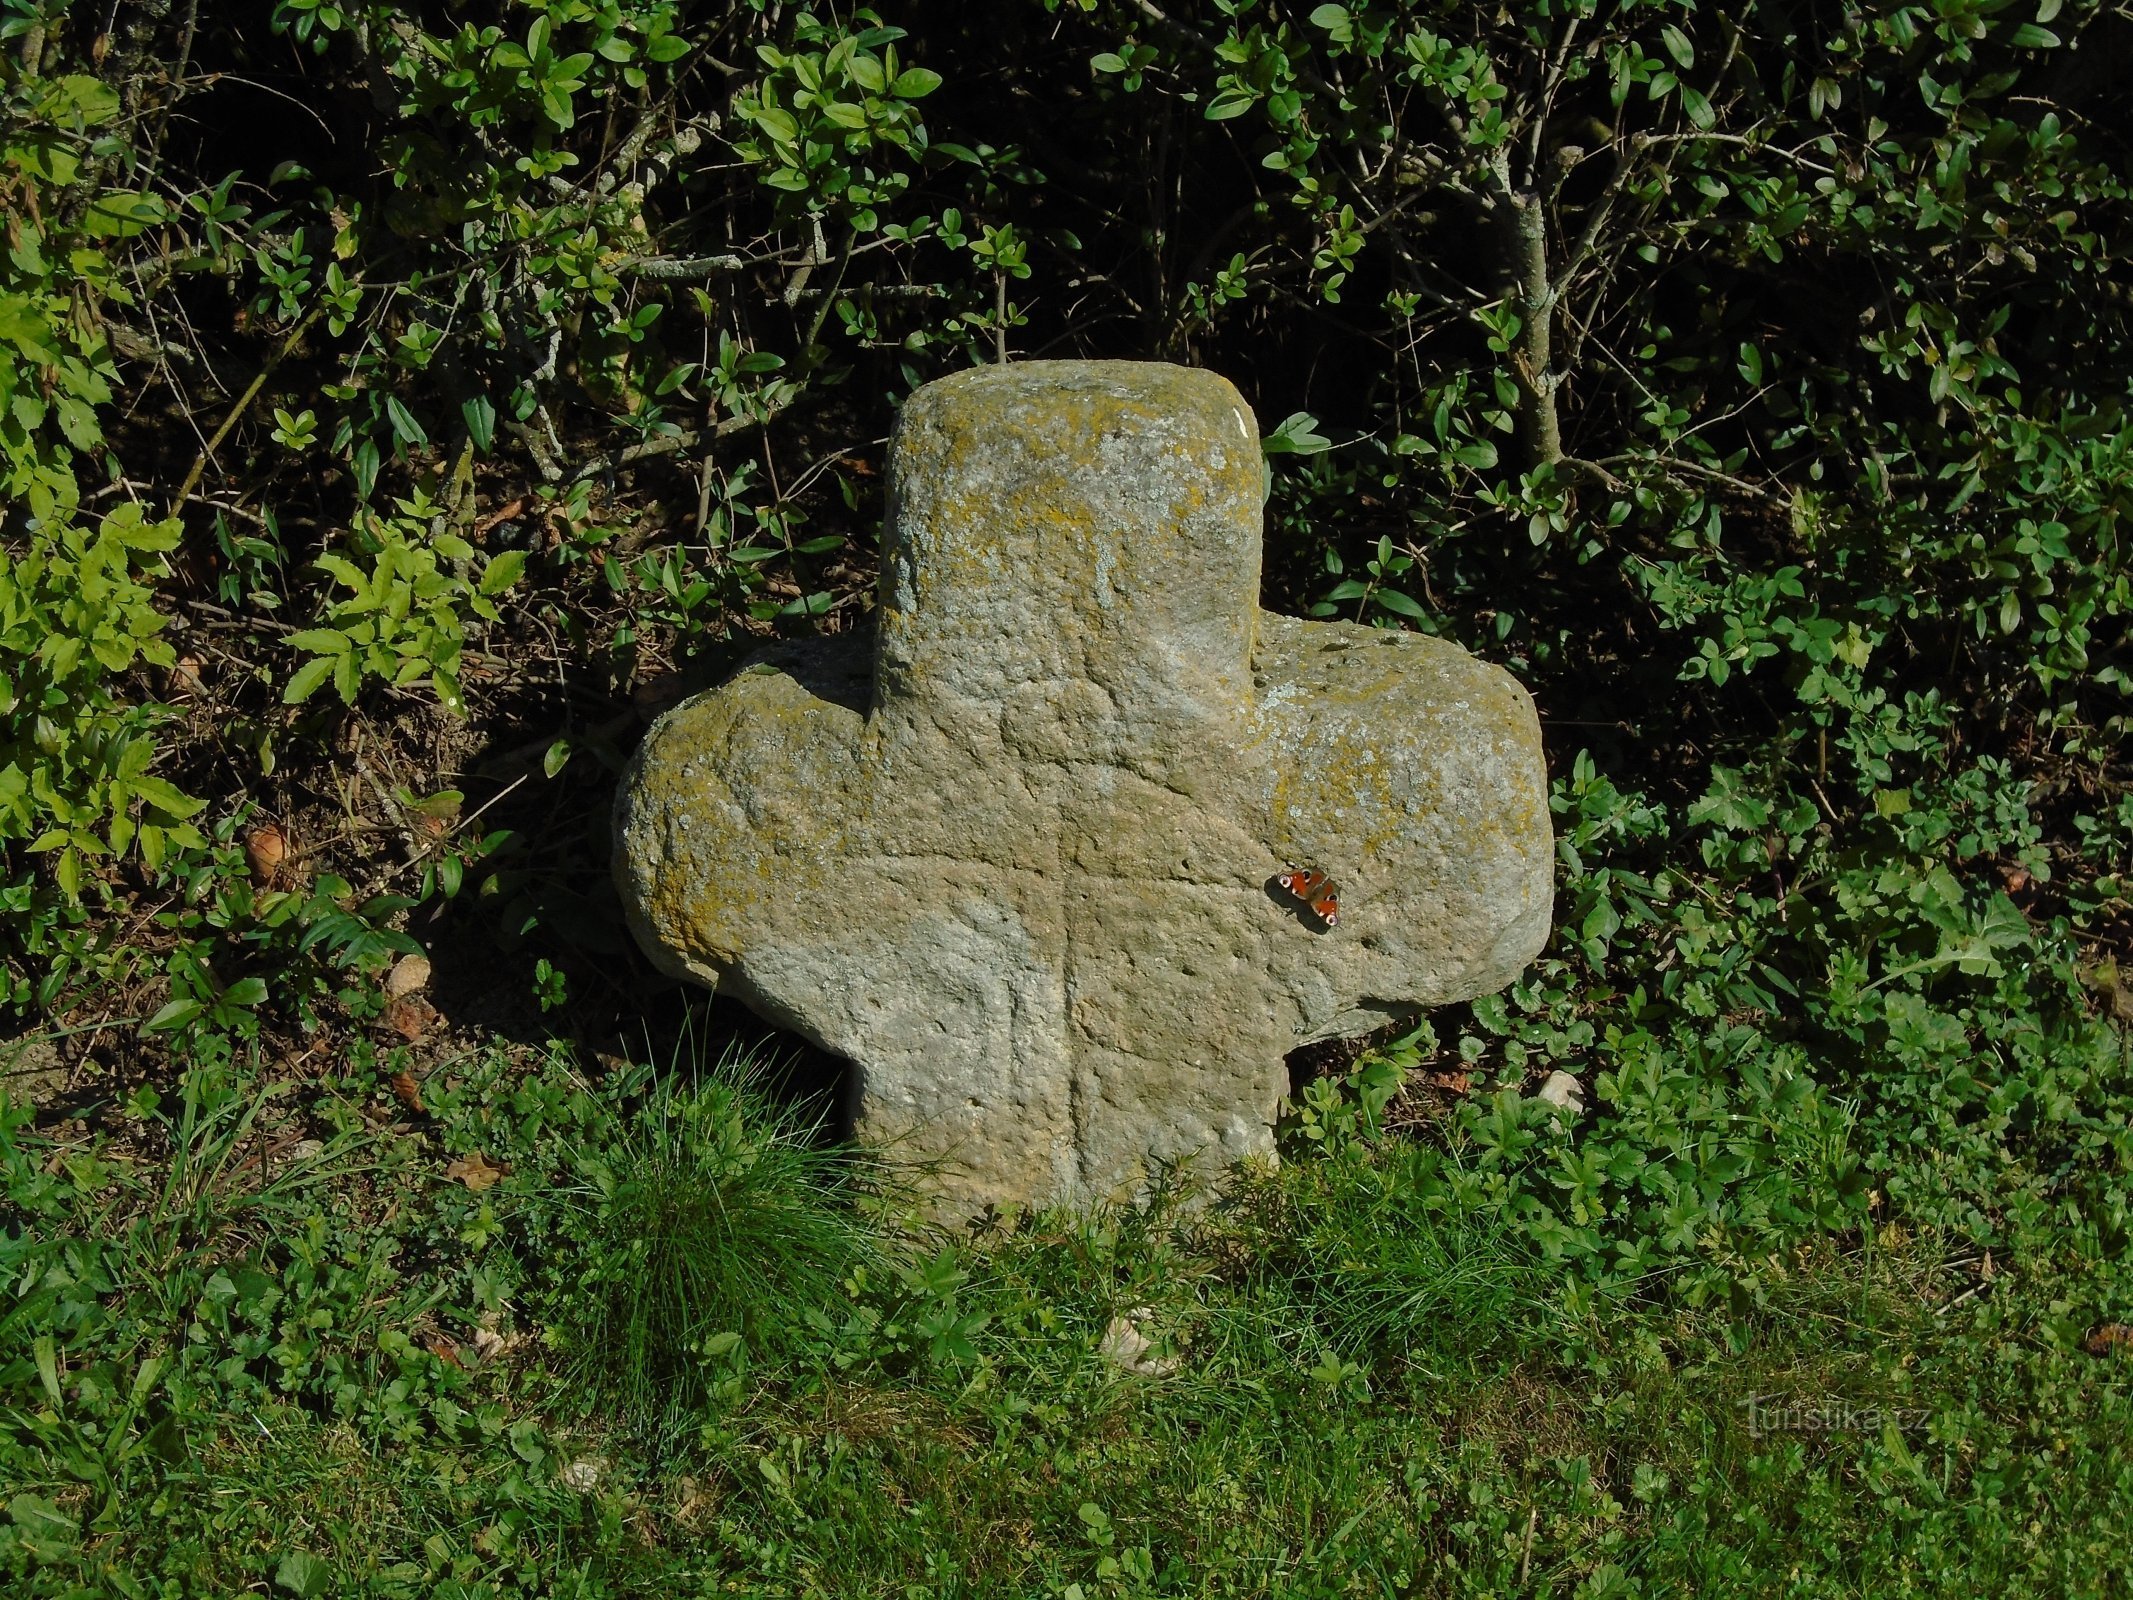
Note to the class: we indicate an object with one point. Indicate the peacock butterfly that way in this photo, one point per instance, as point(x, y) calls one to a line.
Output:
point(1316, 890)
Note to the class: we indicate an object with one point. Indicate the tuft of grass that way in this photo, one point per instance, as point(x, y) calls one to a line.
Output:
point(695, 1243)
point(1383, 1268)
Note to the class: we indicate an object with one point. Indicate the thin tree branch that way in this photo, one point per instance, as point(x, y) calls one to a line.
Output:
point(673, 443)
point(244, 403)
point(681, 269)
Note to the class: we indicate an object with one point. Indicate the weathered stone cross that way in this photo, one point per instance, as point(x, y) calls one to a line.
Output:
point(1017, 867)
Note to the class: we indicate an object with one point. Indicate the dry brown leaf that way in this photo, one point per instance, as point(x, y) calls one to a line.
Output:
point(2111, 1336)
point(501, 515)
point(442, 1348)
point(475, 1172)
point(2117, 995)
point(184, 677)
point(410, 1017)
point(1450, 1082)
point(408, 1092)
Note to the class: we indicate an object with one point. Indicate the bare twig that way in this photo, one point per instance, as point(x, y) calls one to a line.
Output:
point(244, 404)
point(177, 86)
point(672, 443)
point(231, 619)
point(682, 269)
point(817, 253)
point(1551, 82)
point(822, 311)
point(887, 291)
point(1697, 469)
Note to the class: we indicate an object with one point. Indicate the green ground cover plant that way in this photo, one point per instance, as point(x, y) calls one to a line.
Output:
point(401, 404)
point(276, 1347)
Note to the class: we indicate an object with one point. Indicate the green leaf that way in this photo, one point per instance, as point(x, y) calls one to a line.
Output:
point(480, 415)
point(556, 758)
point(320, 641)
point(174, 1015)
point(1294, 436)
point(1393, 600)
point(1330, 17)
point(1108, 61)
point(78, 423)
point(91, 100)
point(2028, 36)
point(915, 83)
point(776, 122)
point(1678, 46)
point(42, 1523)
point(405, 427)
point(121, 215)
point(246, 992)
point(165, 796)
point(307, 680)
point(365, 463)
point(1230, 102)
point(345, 570)
point(301, 1573)
point(503, 571)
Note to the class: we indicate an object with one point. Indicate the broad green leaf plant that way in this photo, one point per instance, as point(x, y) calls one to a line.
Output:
point(78, 606)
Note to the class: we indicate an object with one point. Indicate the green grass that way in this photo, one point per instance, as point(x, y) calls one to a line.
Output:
point(703, 1237)
point(232, 1362)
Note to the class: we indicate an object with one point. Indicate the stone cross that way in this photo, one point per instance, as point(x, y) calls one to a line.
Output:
point(1014, 857)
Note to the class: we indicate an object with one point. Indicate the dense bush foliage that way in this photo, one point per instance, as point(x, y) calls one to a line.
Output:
point(398, 402)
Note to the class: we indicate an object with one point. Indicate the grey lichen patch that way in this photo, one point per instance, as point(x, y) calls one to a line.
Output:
point(1012, 858)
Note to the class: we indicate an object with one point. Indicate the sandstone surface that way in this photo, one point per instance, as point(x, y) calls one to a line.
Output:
point(1014, 854)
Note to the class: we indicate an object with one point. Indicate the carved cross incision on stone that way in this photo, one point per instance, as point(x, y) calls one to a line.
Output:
point(1014, 857)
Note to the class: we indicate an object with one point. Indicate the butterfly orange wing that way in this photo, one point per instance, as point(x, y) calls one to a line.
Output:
point(1326, 905)
point(1314, 889)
